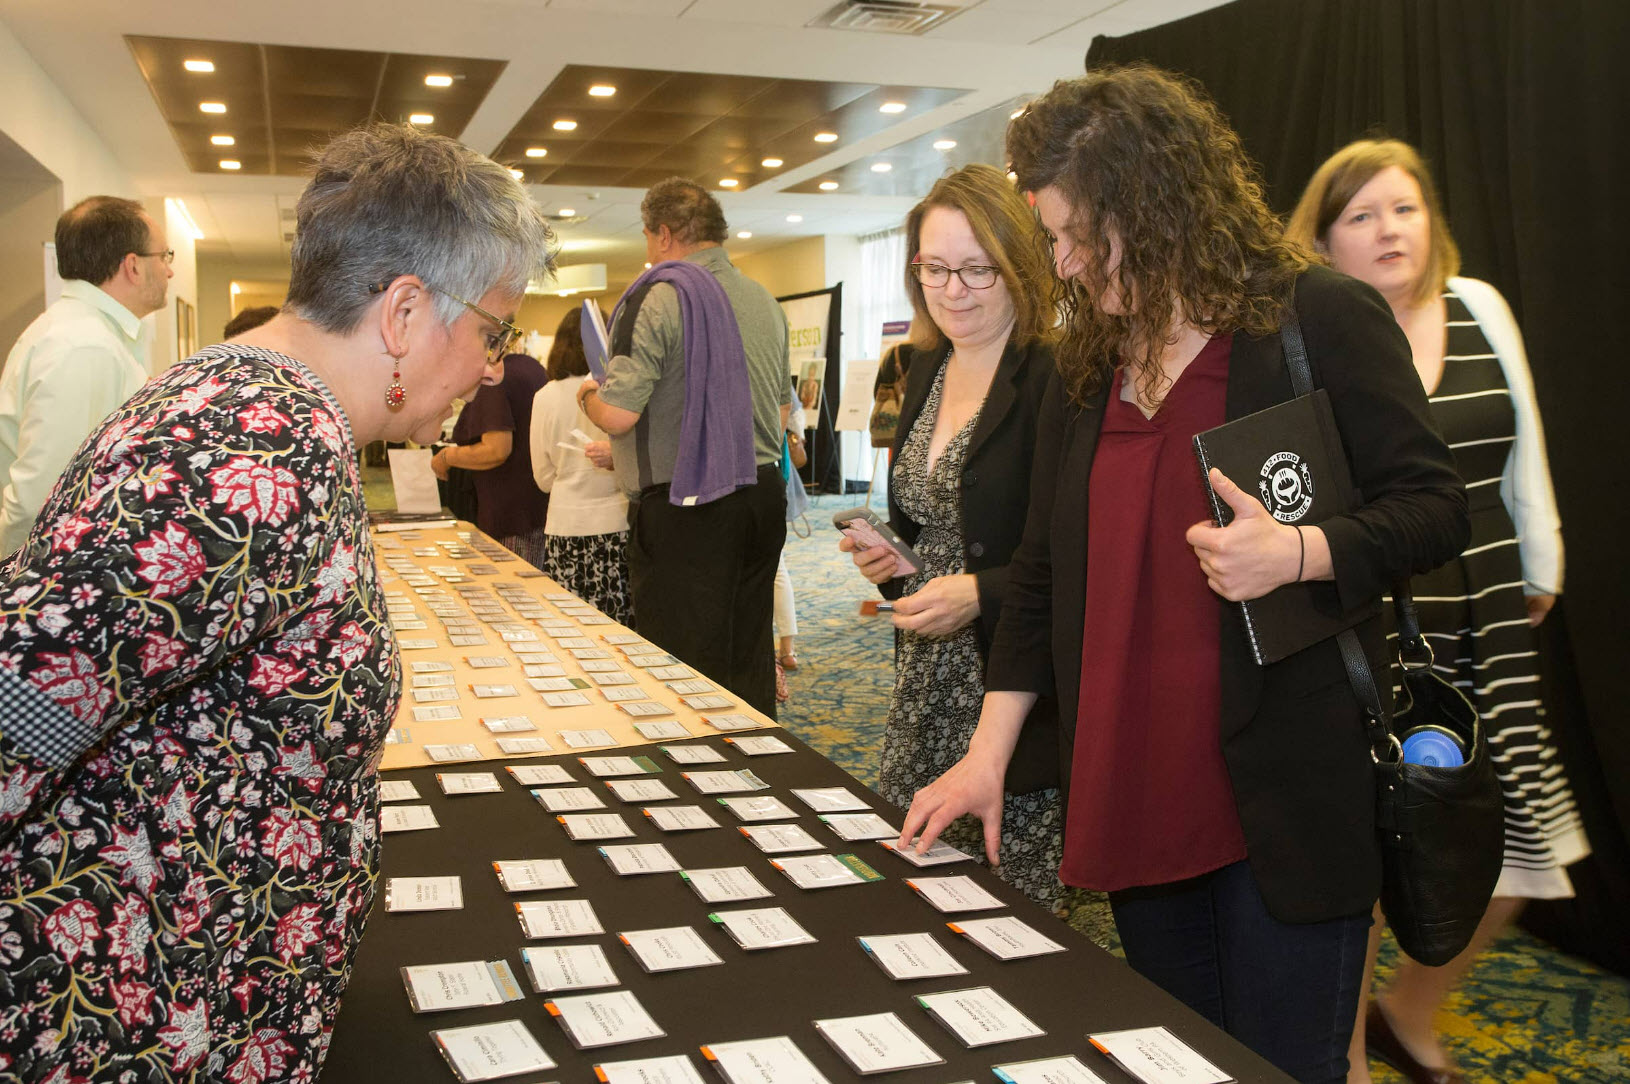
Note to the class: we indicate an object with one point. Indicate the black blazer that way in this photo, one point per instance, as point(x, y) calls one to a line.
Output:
point(995, 489)
point(1292, 734)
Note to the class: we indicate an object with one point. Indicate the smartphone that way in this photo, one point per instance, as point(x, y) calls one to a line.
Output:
point(865, 530)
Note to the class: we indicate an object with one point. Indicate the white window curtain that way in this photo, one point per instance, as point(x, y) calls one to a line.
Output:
point(882, 290)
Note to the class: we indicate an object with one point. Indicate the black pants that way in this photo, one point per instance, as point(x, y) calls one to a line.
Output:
point(703, 582)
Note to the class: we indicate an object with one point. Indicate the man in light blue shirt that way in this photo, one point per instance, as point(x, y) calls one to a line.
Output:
point(76, 363)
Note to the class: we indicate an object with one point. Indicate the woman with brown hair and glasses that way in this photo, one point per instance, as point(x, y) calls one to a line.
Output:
point(979, 362)
point(1372, 210)
point(1227, 808)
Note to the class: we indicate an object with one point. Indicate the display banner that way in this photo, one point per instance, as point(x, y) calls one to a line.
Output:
point(807, 319)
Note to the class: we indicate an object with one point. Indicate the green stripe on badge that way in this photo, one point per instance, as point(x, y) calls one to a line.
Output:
point(859, 868)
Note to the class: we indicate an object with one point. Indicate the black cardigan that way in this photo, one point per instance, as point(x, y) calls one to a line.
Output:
point(1292, 734)
point(995, 488)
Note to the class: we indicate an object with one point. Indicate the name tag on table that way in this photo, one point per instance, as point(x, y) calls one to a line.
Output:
point(952, 894)
point(910, 956)
point(1005, 938)
point(469, 783)
point(1065, 1070)
point(397, 790)
point(675, 948)
point(660, 731)
point(877, 1043)
point(1156, 1056)
point(636, 859)
point(491, 1051)
point(533, 874)
point(763, 1061)
point(979, 1016)
point(640, 790)
point(424, 894)
point(517, 747)
point(725, 884)
point(693, 754)
point(679, 818)
point(538, 775)
point(541, 919)
point(553, 968)
point(674, 1069)
point(569, 700)
point(438, 987)
point(593, 1020)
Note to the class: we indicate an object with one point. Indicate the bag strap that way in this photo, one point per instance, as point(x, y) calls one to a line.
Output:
point(1290, 339)
point(1384, 744)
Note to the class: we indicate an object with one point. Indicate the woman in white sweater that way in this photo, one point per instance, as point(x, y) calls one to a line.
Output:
point(587, 527)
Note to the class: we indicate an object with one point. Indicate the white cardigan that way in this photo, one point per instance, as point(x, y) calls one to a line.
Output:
point(583, 500)
point(1526, 484)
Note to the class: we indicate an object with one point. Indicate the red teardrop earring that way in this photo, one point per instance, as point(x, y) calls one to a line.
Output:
point(396, 395)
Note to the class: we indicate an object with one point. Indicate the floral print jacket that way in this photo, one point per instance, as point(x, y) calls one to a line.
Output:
point(196, 678)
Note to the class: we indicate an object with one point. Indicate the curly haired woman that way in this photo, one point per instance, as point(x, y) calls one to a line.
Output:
point(1227, 808)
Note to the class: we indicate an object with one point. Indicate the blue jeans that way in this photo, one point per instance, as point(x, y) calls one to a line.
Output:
point(1287, 991)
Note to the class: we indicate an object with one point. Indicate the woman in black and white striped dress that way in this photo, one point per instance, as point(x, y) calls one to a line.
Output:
point(1372, 211)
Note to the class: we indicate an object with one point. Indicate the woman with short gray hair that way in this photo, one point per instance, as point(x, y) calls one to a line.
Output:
point(196, 668)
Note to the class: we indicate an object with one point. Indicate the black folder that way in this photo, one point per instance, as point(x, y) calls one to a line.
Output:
point(1290, 458)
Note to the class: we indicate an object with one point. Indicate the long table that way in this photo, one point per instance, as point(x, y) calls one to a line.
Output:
point(752, 995)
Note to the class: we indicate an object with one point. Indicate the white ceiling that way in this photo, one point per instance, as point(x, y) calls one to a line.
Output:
point(1000, 48)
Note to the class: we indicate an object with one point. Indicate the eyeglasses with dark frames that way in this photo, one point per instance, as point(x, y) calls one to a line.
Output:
point(498, 342)
point(975, 276)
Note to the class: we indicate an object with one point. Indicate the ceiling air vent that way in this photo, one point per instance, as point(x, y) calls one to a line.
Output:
point(890, 16)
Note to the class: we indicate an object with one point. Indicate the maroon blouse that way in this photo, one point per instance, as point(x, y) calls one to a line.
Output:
point(1150, 801)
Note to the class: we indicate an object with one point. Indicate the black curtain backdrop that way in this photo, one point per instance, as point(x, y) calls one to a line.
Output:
point(1522, 109)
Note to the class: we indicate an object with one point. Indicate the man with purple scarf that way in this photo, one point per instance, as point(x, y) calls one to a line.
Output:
point(694, 399)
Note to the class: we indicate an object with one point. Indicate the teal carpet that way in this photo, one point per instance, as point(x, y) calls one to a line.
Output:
point(1527, 1014)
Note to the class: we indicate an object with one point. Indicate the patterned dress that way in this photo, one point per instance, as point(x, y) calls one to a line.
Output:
point(939, 680)
point(188, 849)
point(1474, 616)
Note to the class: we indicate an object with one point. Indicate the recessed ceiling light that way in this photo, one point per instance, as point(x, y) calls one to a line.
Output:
point(565, 125)
point(728, 182)
point(421, 118)
point(198, 65)
point(892, 107)
point(602, 90)
point(745, 234)
point(771, 163)
point(231, 163)
point(223, 140)
point(517, 173)
point(826, 137)
point(828, 186)
point(438, 80)
point(795, 218)
point(212, 107)
point(536, 152)
point(567, 212)
point(944, 144)
point(881, 167)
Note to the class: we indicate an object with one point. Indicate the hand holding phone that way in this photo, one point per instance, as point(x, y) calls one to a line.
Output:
point(866, 532)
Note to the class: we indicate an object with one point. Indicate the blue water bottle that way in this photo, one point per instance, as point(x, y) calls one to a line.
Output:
point(1434, 747)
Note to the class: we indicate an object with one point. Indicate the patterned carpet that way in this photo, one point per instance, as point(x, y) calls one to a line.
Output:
point(1527, 1014)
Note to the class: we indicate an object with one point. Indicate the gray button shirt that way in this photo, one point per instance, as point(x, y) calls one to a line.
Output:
point(650, 379)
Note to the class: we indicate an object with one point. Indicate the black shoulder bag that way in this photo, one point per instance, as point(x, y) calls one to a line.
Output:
point(1441, 829)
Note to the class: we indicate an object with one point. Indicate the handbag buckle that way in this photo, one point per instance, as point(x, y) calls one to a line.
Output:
point(1414, 654)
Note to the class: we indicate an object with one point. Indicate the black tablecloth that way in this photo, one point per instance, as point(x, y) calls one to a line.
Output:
point(755, 994)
